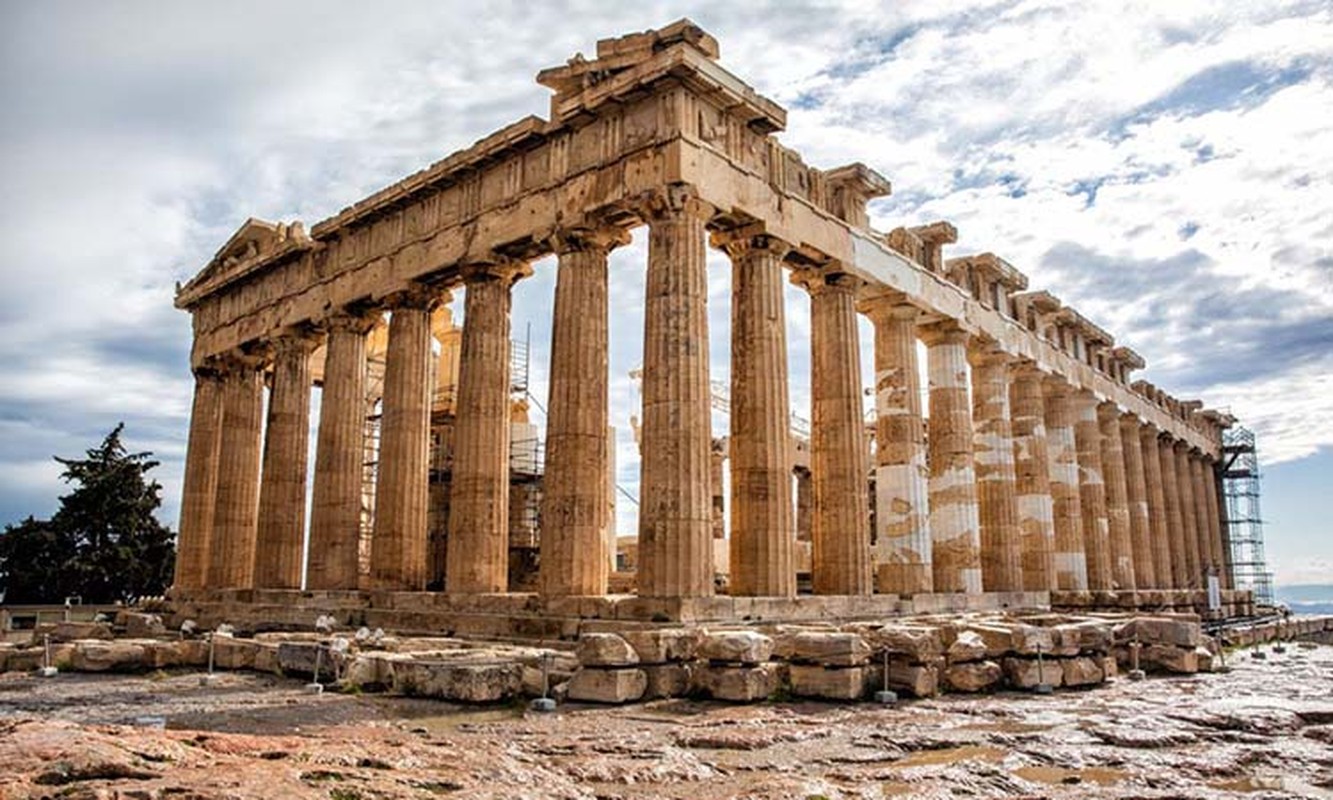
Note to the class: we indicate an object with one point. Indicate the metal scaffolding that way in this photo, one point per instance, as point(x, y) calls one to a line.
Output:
point(1245, 527)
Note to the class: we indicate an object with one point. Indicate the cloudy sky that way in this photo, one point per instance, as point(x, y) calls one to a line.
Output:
point(1163, 167)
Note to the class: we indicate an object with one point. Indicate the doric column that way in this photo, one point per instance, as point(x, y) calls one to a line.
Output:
point(1115, 476)
point(231, 559)
point(1159, 528)
point(1207, 539)
point(993, 461)
point(1092, 492)
point(398, 546)
point(763, 521)
point(573, 504)
point(838, 456)
point(902, 512)
point(675, 515)
point(1071, 564)
point(1188, 515)
point(954, 517)
point(199, 492)
point(1032, 471)
point(1136, 496)
point(1221, 556)
point(478, 551)
point(1175, 517)
point(281, 538)
point(335, 507)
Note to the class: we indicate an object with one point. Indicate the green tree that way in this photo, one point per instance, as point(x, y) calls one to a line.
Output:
point(103, 544)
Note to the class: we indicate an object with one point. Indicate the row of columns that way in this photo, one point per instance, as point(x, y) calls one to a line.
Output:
point(1017, 480)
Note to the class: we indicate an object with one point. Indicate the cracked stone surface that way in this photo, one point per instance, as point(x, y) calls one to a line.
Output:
point(1264, 730)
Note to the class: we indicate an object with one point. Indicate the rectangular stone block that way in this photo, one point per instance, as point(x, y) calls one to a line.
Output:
point(917, 680)
point(738, 684)
point(1082, 671)
point(1025, 673)
point(1169, 658)
point(974, 676)
point(828, 683)
point(741, 647)
point(103, 656)
point(592, 685)
point(230, 653)
point(830, 649)
point(462, 682)
point(668, 680)
point(663, 645)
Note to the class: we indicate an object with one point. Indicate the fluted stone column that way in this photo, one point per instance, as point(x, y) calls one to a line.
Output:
point(838, 457)
point(763, 521)
point(1032, 471)
point(1092, 493)
point(199, 491)
point(954, 517)
point(478, 550)
point(1188, 515)
point(335, 507)
point(1175, 516)
point(993, 461)
point(573, 504)
point(398, 546)
point(1220, 556)
point(1136, 496)
point(902, 511)
point(1207, 557)
point(675, 515)
point(1071, 565)
point(1159, 529)
point(231, 559)
point(281, 538)
point(1115, 477)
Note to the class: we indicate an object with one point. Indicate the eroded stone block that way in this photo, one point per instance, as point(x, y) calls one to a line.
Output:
point(740, 684)
point(467, 683)
point(828, 683)
point(973, 676)
point(605, 650)
point(830, 649)
point(742, 647)
point(594, 685)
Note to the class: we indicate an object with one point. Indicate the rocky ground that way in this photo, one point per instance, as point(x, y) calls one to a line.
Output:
point(1263, 730)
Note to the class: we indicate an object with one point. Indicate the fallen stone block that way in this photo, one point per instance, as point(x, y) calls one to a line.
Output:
point(1169, 658)
point(1028, 640)
point(973, 676)
point(71, 631)
point(1081, 671)
point(738, 684)
point(998, 639)
point(230, 653)
point(830, 649)
point(1024, 673)
point(668, 680)
point(597, 685)
point(467, 683)
point(1204, 658)
point(266, 658)
point(143, 626)
point(919, 643)
point(298, 658)
point(1160, 630)
point(107, 656)
point(968, 646)
point(663, 645)
point(605, 650)
point(742, 647)
point(30, 658)
point(827, 683)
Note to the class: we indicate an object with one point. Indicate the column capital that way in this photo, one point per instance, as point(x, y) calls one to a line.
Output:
point(737, 242)
point(240, 360)
point(946, 331)
point(1026, 367)
point(351, 321)
point(1108, 410)
point(295, 339)
point(673, 200)
point(887, 305)
point(987, 353)
point(506, 271)
point(828, 279)
point(591, 237)
point(419, 296)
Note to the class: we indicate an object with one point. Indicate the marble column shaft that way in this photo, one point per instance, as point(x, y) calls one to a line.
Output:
point(231, 559)
point(199, 493)
point(1159, 526)
point(1207, 540)
point(838, 456)
point(1115, 476)
point(993, 461)
point(1175, 515)
point(281, 537)
point(1220, 556)
point(478, 551)
point(335, 507)
point(573, 503)
point(902, 511)
point(1136, 496)
point(1071, 566)
point(1032, 471)
point(1092, 493)
point(763, 521)
point(675, 514)
point(954, 516)
point(398, 546)
point(1188, 516)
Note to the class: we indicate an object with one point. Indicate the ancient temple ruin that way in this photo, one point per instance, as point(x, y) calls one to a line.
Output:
point(1039, 473)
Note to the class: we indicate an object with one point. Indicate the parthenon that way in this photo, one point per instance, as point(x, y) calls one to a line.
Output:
point(1038, 472)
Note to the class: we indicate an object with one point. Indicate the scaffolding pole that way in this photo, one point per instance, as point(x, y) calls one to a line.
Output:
point(1244, 522)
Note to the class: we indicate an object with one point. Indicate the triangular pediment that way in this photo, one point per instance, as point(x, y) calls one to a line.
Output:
point(255, 241)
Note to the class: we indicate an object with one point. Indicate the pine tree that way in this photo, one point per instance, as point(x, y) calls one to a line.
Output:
point(104, 543)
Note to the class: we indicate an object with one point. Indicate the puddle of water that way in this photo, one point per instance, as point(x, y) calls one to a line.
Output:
point(951, 755)
point(1102, 776)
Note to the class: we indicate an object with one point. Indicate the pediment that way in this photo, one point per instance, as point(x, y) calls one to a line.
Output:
point(254, 242)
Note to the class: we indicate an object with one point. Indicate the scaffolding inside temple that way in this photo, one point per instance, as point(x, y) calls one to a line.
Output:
point(1239, 473)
